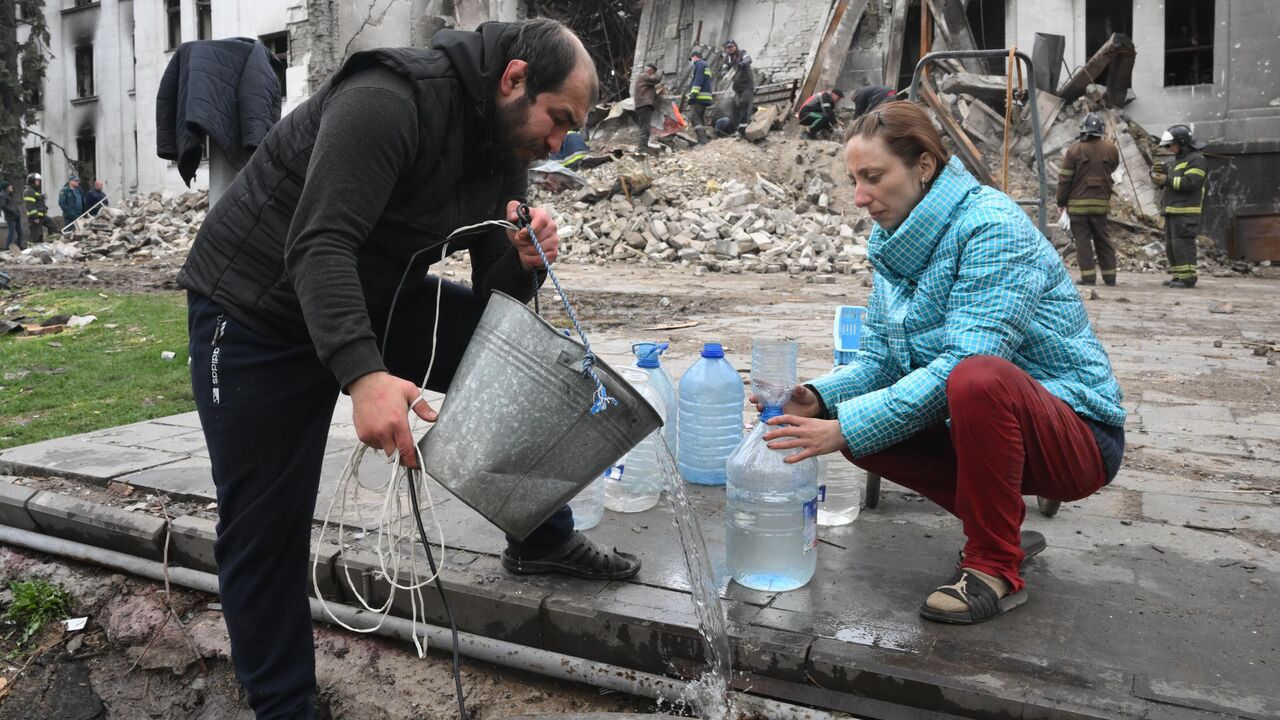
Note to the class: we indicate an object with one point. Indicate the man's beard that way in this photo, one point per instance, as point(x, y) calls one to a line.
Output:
point(513, 152)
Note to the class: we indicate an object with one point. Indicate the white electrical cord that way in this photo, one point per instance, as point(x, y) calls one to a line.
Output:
point(391, 536)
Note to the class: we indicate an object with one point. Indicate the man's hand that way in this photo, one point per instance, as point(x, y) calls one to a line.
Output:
point(381, 403)
point(803, 403)
point(544, 227)
point(814, 437)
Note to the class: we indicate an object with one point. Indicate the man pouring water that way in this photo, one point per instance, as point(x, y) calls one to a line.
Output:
point(309, 278)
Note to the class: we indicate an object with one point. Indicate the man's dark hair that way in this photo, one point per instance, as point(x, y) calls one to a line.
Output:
point(550, 50)
point(651, 65)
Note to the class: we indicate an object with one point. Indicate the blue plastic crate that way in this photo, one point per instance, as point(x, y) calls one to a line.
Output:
point(847, 332)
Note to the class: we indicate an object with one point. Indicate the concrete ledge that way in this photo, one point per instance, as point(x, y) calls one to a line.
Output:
point(191, 543)
point(93, 524)
point(619, 631)
point(13, 505)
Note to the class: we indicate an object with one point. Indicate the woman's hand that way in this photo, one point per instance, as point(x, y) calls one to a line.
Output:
point(803, 403)
point(814, 437)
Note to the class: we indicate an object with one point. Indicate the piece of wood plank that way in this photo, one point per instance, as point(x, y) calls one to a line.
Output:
point(897, 34)
point(952, 25)
point(820, 58)
point(969, 153)
point(1117, 51)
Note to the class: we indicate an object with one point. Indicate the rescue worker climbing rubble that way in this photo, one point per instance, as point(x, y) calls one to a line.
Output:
point(1181, 202)
point(293, 279)
point(699, 97)
point(744, 86)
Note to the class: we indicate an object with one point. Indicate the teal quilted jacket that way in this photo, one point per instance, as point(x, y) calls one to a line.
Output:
point(965, 274)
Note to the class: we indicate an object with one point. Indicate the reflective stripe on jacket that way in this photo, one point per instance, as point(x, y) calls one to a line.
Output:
point(1185, 185)
point(700, 87)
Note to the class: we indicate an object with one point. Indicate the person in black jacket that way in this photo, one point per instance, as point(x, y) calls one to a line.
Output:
point(10, 207)
point(819, 113)
point(866, 99)
point(309, 277)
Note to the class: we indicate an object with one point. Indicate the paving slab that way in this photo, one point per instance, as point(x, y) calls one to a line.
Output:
point(81, 458)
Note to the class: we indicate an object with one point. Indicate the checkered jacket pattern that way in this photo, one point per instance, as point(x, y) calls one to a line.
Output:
point(965, 274)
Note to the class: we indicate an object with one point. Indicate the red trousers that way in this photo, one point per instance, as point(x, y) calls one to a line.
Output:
point(1008, 437)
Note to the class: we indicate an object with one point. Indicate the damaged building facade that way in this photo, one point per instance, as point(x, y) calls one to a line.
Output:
point(1197, 61)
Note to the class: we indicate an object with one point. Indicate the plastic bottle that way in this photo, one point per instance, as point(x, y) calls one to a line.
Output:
point(840, 494)
point(771, 517)
point(647, 354)
point(588, 505)
point(710, 424)
point(638, 484)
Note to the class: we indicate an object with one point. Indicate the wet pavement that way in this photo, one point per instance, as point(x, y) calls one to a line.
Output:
point(1154, 599)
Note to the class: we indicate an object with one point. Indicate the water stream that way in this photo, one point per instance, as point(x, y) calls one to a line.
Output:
point(710, 696)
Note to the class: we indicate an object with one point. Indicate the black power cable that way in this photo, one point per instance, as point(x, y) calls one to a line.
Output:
point(431, 560)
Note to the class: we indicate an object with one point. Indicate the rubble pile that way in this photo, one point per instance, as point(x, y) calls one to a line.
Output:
point(157, 225)
point(729, 207)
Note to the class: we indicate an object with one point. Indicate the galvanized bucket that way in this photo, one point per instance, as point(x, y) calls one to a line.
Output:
point(516, 439)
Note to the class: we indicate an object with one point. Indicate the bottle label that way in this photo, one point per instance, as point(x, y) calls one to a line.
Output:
point(615, 472)
point(822, 493)
point(811, 524)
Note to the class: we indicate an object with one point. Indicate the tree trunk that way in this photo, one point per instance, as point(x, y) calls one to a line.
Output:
point(12, 104)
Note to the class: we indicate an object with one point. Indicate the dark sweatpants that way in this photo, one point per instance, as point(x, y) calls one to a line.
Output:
point(265, 405)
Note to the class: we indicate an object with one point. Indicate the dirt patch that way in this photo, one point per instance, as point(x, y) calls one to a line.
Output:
point(128, 663)
point(99, 275)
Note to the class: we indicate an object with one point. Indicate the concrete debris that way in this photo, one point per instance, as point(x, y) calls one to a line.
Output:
point(147, 226)
point(704, 209)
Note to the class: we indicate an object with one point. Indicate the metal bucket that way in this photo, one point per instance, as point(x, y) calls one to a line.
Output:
point(516, 439)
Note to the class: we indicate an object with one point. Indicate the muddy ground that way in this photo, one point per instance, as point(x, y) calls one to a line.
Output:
point(129, 663)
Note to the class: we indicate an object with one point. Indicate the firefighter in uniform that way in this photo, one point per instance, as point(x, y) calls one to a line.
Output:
point(1084, 193)
point(699, 95)
point(1182, 202)
point(37, 209)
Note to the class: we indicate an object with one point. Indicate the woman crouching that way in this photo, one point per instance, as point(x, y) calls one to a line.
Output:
point(979, 379)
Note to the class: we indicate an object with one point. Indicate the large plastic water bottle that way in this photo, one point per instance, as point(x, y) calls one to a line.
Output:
point(638, 482)
point(772, 513)
point(842, 488)
point(710, 424)
point(647, 354)
point(771, 516)
point(588, 505)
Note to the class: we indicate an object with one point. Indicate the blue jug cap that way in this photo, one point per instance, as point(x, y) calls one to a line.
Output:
point(712, 350)
point(770, 412)
point(647, 354)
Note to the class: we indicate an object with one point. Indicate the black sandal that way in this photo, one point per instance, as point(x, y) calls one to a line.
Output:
point(579, 557)
point(1032, 543)
point(980, 600)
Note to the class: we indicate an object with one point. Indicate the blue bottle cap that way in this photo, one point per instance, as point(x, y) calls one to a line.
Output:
point(770, 412)
point(647, 354)
point(712, 350)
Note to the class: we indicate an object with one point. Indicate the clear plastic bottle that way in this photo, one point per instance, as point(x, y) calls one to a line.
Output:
point(647, 355)
point(588, 505)
point(710, 424)
point(842, 488)
point(771, 516)
point(638, 484)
